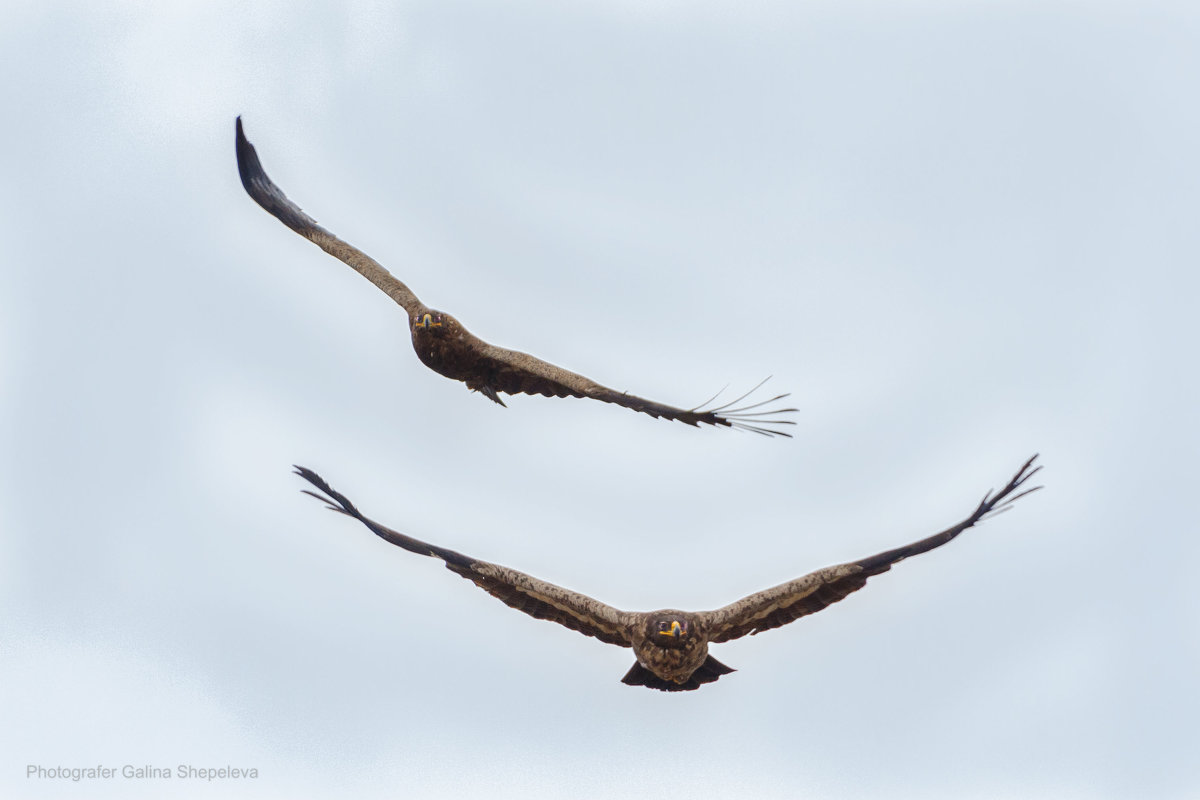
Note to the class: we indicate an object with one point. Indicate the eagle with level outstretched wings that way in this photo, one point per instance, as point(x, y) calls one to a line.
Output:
point(446, 347)
point(671, 646)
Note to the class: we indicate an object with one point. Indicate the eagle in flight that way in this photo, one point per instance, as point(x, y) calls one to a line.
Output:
point(671, 646)
point(446, 347)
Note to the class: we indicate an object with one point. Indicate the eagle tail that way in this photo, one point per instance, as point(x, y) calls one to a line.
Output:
point(708, 672)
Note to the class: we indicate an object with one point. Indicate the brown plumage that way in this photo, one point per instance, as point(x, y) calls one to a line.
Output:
point(671, 646)
point(448, 348)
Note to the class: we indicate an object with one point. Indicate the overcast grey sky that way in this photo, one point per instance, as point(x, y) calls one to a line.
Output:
point(958, 233)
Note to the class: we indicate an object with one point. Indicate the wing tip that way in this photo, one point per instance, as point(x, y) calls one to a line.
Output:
point(249, 166)
point(752, 417)
point(262, 189)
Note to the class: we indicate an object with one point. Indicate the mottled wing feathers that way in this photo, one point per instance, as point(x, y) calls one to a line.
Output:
point(264, 192)
point(535, 597)
point(514, 372)
point(543, 600)
point(785, 603)
point(807, 595)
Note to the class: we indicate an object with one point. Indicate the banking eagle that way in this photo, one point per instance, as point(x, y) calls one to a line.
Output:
point(671, 646)
point(446, 347)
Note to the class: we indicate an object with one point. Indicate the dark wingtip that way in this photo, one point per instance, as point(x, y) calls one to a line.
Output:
point(249, 167)
point(995, 503)
point(310, 476)
point(239, 138)
point(333, 500)
point(751, 417)
point(263, 190)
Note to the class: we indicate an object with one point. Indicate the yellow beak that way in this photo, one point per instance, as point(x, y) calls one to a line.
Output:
point(674, 631)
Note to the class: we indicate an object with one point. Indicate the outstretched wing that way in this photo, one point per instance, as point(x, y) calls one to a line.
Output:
point(537, 598)
point(264, 192)
point(514, 372)
point(790, 601)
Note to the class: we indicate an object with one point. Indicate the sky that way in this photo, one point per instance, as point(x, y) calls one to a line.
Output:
point(957, 233)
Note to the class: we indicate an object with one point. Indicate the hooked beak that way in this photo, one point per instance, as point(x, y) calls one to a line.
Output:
point(674, 630)
point(427, 322)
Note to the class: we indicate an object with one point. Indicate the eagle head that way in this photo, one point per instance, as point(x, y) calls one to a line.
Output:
point(668, 630)
point(430, 321)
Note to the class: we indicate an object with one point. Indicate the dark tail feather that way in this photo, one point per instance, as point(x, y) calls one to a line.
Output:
point(708, 672)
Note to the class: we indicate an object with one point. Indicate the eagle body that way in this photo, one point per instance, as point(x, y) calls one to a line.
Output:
point(449, 350)
point(444, 345)
point(672, 658)
point(671, 646)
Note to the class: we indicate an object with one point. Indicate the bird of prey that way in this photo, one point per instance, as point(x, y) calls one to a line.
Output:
point(446, 347)
point(671, 646)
